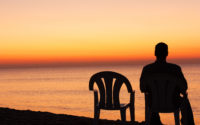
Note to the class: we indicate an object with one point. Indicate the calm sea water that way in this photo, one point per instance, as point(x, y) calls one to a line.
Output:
point(65, 90)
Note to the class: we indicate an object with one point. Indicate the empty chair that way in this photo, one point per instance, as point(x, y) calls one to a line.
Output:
point(109, 84)
point(163, 93)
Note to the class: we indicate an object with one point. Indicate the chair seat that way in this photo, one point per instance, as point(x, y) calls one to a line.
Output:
point(122, 106)
point(165, 110)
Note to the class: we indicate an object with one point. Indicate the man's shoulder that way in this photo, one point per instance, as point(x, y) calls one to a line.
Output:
point(167, 65)
point(148, 65)
point(172, 65)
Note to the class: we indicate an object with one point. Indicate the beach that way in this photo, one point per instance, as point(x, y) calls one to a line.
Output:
point(28, 117)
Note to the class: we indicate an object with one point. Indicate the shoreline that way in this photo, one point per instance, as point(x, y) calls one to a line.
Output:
point(27, 117)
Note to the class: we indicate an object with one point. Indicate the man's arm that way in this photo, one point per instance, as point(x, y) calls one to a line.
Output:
point(142, 81)
point(183, 82)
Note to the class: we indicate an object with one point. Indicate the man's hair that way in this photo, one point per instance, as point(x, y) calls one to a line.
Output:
point(161, 50)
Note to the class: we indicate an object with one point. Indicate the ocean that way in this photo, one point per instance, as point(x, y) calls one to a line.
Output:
point(65, 90)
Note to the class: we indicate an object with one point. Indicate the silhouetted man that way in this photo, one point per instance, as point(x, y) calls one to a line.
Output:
point(161, 66)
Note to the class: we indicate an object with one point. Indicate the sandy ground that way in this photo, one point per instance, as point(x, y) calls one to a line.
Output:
point(27, 117)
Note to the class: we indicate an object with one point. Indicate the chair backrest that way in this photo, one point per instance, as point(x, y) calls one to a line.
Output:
point(163, 92)
point(109, 89)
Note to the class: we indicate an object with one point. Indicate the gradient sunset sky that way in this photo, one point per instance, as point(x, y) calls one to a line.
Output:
point(95, 30)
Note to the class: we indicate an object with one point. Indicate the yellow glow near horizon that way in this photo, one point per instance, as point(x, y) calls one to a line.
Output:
point(88, 30)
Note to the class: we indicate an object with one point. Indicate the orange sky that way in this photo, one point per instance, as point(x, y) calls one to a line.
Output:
point(90, 30)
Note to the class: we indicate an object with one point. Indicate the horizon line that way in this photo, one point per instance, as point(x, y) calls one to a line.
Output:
point(95, 63)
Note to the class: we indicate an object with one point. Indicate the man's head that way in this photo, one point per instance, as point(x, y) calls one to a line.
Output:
point(161, 51)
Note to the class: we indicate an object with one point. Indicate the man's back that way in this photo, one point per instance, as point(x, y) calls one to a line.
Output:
point(162, 67)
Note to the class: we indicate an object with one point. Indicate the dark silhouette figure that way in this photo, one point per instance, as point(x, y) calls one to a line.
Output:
point(161, 72)
point(109, 84)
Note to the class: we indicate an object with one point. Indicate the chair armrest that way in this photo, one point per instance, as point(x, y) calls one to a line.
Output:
point(185, 94)
point(96, 98)
point(146, 98)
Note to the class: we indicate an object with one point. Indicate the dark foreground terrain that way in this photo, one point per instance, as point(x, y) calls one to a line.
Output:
point(27, 117)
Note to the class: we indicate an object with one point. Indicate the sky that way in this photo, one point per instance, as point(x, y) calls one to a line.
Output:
point(97, 30)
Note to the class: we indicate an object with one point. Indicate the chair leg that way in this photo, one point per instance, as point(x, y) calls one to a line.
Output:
point(132, 113)
point(132, 106)
point(146, 108)
point(176, 117)
point(147, 116)
point(147, 111)
point(123, 114)
point(96, 115)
